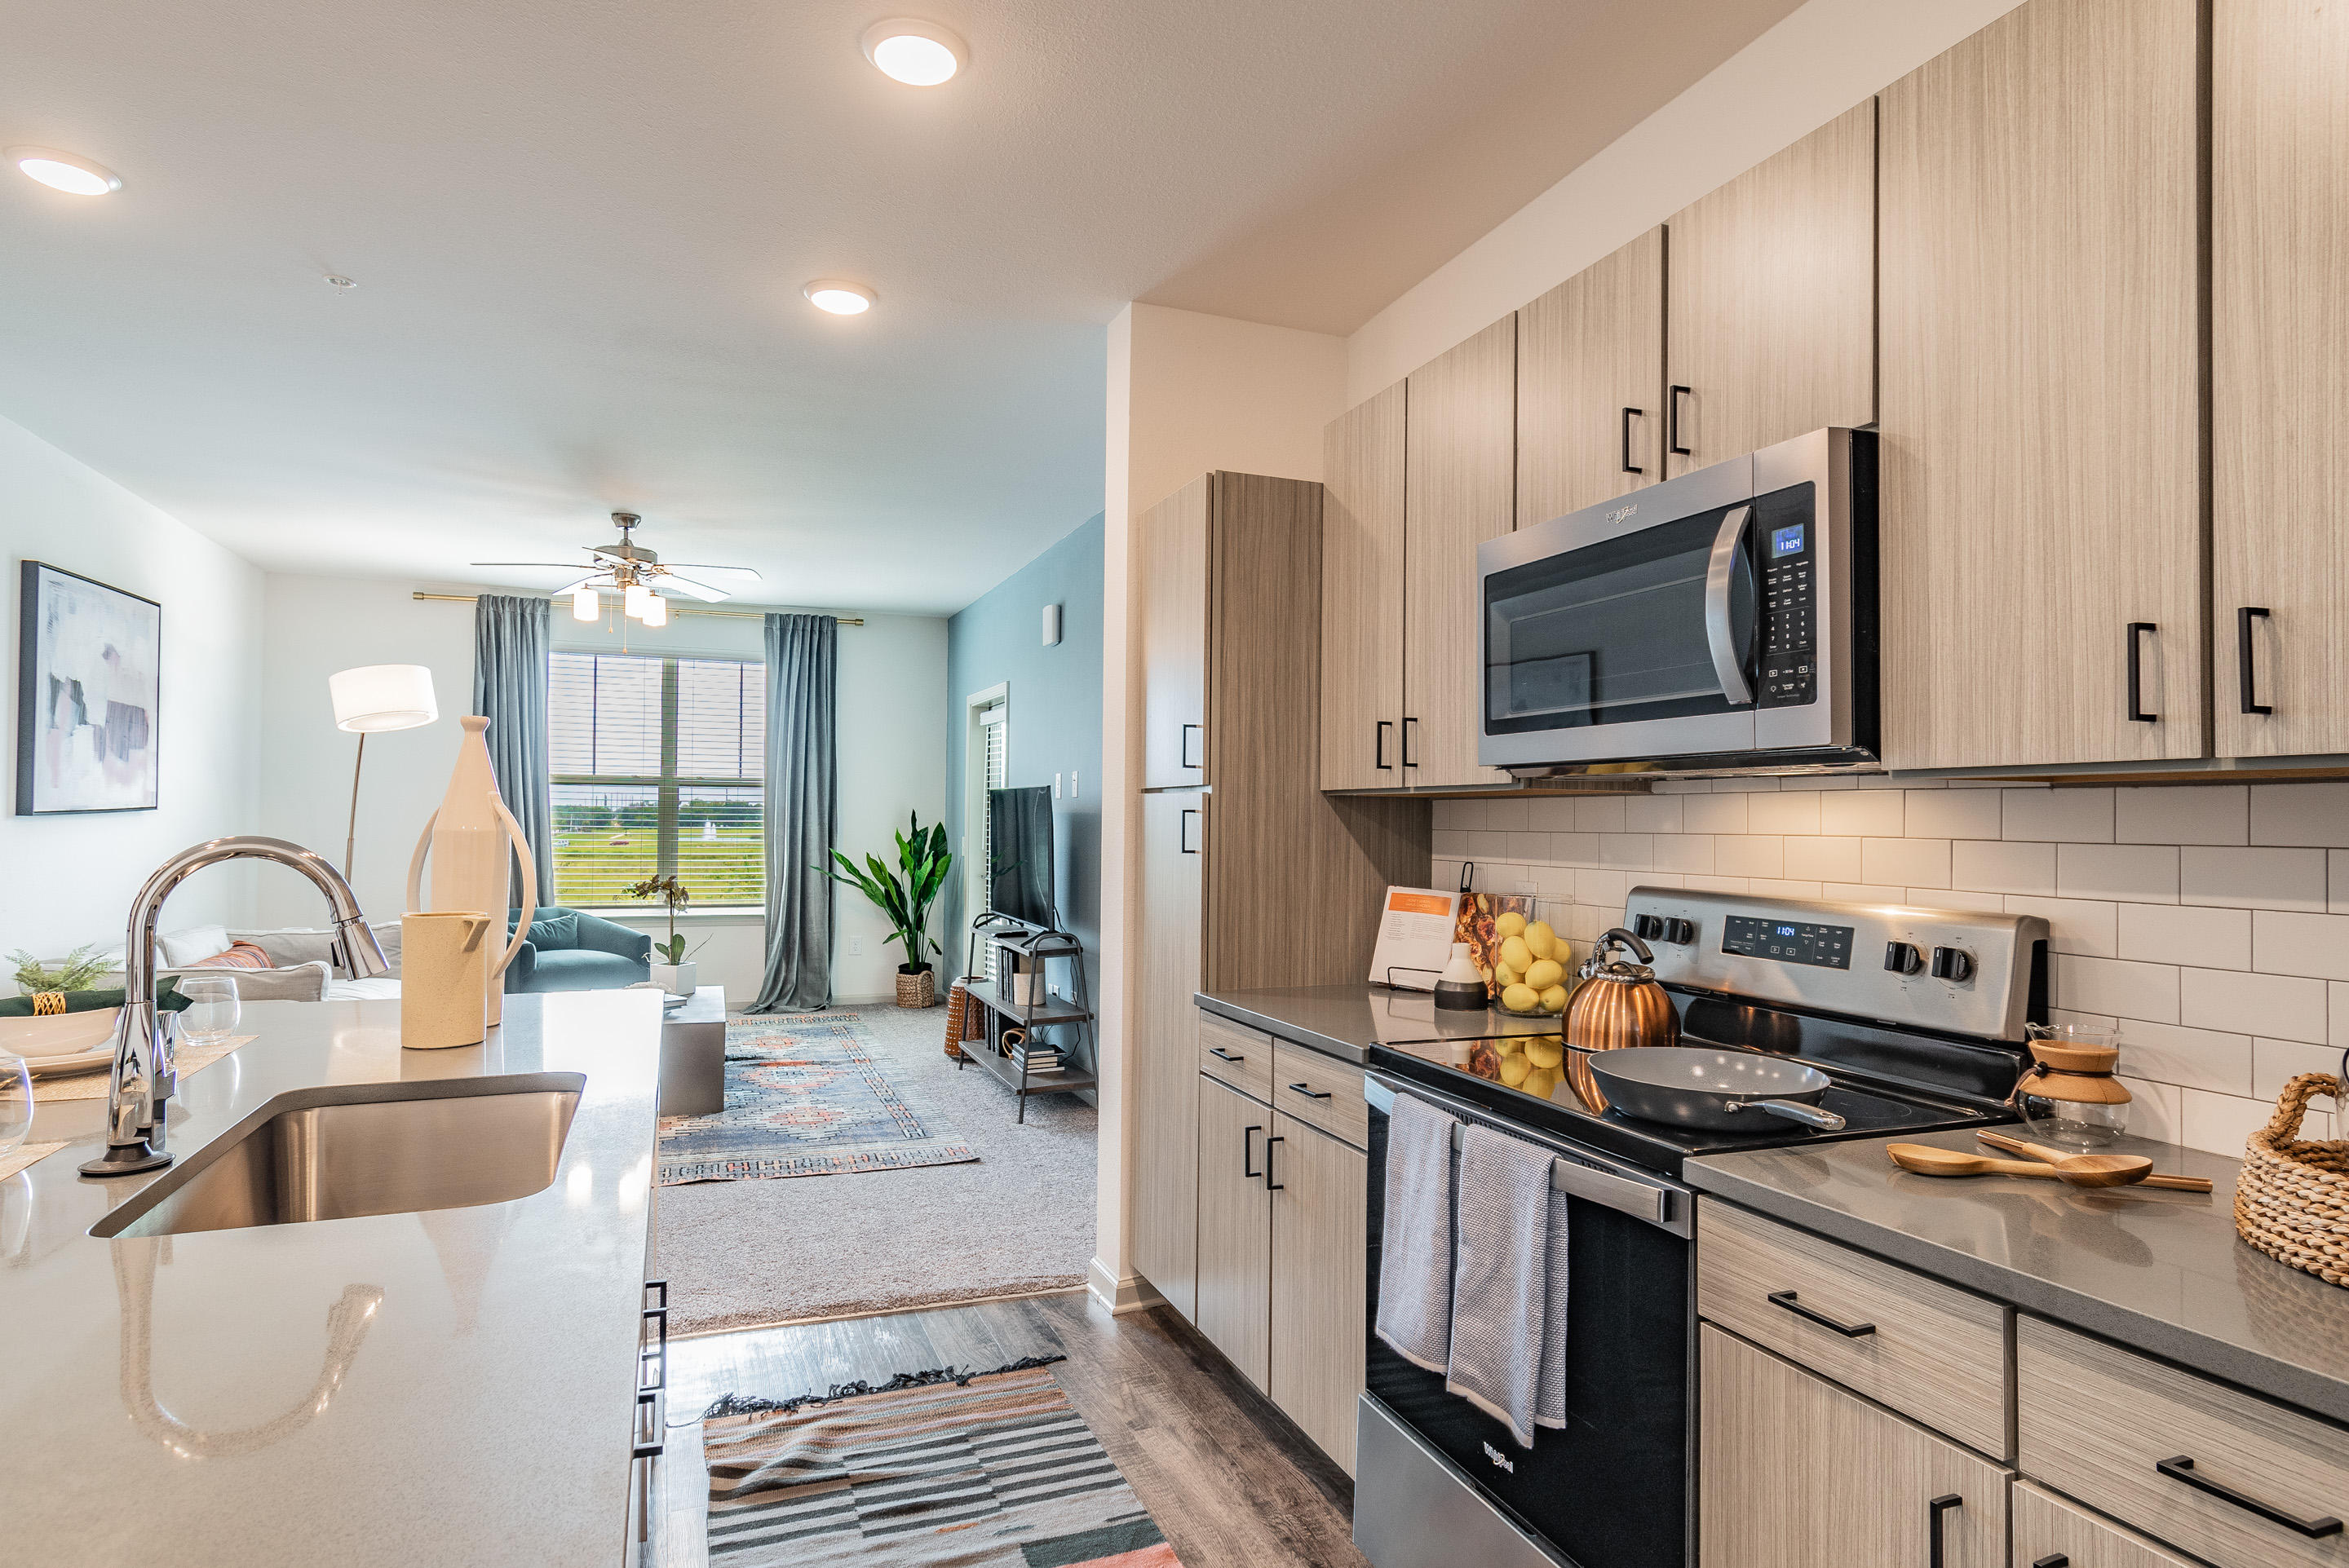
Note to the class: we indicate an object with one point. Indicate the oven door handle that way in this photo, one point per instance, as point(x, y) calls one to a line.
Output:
point(1728, 663)
point(1642, 1200)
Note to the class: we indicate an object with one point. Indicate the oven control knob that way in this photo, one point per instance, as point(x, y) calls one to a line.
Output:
point(1678, 931)
point(1902, 957)
point(1648, 927)
point(1953, 963)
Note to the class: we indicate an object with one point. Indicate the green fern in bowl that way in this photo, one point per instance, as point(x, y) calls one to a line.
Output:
point(74, 972)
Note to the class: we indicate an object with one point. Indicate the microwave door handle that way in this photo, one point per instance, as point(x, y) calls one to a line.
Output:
point(1726, 663)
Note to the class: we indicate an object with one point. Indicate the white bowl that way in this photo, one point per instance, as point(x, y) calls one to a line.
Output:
point(59, 1034)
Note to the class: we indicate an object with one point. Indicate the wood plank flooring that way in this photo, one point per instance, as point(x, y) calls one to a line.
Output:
point(1229, 1480)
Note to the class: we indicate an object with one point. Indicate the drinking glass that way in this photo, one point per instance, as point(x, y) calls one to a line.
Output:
point(213, 1009)
point(16, 1102)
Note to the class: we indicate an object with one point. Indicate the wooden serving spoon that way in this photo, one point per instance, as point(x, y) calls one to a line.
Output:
point(1927, 1160)
point(2066, 1164)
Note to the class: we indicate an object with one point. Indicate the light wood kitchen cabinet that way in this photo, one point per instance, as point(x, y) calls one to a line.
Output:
point(1320, 1215)
point(2041, 498)
point(1590, 385)
point(2059, 1533)
point(1165, 1048)
point(1235, 1229)
point(1771, 290)
point(1361, 595)
point(2279, 375)
point(1459, 489)
point(1796, 1473)
point(1170, 602)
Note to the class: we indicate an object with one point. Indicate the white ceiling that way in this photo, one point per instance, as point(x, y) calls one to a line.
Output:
point(580, 230)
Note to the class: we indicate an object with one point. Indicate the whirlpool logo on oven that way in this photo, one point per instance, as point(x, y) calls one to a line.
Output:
point(1499, 1458)
point(1621, 513)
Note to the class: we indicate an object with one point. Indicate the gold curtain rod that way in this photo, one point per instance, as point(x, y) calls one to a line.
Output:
point(674, 608)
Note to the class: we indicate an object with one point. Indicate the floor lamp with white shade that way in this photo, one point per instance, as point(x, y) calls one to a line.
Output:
point(373, 699)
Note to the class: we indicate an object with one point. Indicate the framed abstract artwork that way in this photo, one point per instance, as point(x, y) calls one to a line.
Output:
point(88, 683)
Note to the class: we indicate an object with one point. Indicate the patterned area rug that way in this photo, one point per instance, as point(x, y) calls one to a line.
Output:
point(805, 1096)
point(997, 1471)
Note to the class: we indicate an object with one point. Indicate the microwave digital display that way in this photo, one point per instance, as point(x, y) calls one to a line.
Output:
point(1789, 942)
point(1786, 541)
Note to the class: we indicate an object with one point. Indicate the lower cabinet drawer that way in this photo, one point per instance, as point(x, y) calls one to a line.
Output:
point(2228, 1476)
point(1238, 1057)
point(1932, 1352)
point(1322, 1090)
point(2051, 1533)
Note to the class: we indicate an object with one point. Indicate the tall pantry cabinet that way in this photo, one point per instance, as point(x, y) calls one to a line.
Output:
point(1248, 876)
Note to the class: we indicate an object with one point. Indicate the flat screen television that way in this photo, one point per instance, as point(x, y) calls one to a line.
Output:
point(1019, 834)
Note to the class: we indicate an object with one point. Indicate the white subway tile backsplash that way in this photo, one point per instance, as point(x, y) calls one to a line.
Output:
point(2146, 990)
point(2085, 926)
point(1575, 849)
point(1488, 843)
point(2194, 1058)
point(2313, 814)
point(1551, 815)
point(1714, 884)
point(1761, 786)
point(1952, 898)
point(1773, 887)
point(2336, 890)
point(1586, 921)
point(2253, 879)
point(2275, 1063)
point(2182, 814)
point(1999, 865)
point(1954, 814)
point(2338, 1008)
point(1823, 859)
point(1503, 816)
point(1897, 781)
point(1714, 814)
point(2058, 816)
point(1684, 787)
point(2219, 1123)
point(1652, 814)
point(1529, 846)
point(1749, 855)
point(2182, 933)
point(2144, 873)
point(1456, 814)
point(1783, 812)
point(1910, 862)
point(2154, 1110)
point(1598, 814)
point(1631, 852)
point(1449, 841)
point(1865, 813)
point(1863, 892)
point(2289, 943)
point(1555, 883)
point(2278, 1007)
point(1603, 888)
point(1684, 851)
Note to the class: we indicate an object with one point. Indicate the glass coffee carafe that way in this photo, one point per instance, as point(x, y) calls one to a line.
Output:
point(2069, 1094)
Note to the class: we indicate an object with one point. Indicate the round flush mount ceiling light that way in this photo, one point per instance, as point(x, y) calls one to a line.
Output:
point(918, 54)
point(67, 171)
point(839, 296)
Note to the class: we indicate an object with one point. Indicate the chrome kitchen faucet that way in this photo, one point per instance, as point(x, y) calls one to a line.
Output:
point(143, 1080)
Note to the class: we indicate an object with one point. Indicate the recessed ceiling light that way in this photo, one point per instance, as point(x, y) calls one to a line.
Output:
point(920, 54)
point(839, 297)
point(66, 172)
point(336, 280)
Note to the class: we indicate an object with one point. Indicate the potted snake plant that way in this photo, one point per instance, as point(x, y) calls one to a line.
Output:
point(904, 897)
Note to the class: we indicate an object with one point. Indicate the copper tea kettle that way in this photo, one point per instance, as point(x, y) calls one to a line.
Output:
point(1618, 1005)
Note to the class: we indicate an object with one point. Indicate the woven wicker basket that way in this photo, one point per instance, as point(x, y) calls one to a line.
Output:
point(920, 990)
point(2292, 1200)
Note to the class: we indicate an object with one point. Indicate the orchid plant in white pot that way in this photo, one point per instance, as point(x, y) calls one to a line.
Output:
point(675, 976)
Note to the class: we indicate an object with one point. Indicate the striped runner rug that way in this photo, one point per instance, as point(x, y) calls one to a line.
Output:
point(996, 1470)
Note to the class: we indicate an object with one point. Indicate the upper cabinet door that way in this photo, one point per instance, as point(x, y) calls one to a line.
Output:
point(1171, 589)
point(1362, 597)
point(2279, 375)
point(1460, 484)
point(1773, 300)
point(2039, 500)
point(1590, 385)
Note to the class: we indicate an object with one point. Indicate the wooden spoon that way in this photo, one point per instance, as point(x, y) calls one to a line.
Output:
point(1927, 1161)
point(2065, 1164)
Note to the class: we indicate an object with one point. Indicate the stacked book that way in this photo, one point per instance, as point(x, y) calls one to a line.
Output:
point(1035, 1057)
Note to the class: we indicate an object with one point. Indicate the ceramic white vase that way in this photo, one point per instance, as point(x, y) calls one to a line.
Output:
point(467, 840)
point(444, 968)
point(676, 979)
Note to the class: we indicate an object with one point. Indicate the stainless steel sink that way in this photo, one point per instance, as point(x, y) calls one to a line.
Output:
point(338, 1153)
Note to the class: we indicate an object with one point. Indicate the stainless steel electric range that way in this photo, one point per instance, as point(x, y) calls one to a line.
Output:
point(1917, 1016)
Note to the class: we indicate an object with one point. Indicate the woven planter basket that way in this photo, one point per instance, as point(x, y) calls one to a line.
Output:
point(2292, 1200)
point(917, 990)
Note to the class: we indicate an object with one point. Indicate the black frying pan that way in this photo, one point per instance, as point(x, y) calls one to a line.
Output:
point(1722, 1091)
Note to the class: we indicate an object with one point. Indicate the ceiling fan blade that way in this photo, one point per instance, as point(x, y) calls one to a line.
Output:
point(687, 585)
point(751, 572)
point(593, 579)
point(550, 565)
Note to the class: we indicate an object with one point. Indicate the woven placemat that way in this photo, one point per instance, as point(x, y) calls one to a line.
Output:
point(23, 1154)
point(92, 1085)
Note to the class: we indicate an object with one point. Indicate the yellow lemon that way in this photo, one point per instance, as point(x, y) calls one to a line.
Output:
point(1546, 1051)
point(1520, 998)
point(1516, 954)
point(1540, 1082)
point(1545, 973)
point(1554, 999)
point(1514, 1070)
point(1541, 939)
point(1504, 976)
point(1509, 924)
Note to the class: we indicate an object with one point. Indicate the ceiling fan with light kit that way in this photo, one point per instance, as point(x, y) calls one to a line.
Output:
point(634, 572)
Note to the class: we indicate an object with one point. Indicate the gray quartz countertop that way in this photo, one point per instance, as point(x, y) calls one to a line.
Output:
point(1346, 1020)
point(455, 1387)
point(2163, 1273)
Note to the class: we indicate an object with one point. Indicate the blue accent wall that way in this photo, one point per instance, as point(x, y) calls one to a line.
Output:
point(1056, 724)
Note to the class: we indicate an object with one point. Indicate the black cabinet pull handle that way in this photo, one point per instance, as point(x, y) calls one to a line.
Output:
point(1248, 1152)
point(2052, 1560)
point(1183, 834)
point(1933, 1512)
point(1269, 1184)
point(2137, 631)
point(1673, 443)
point(1222, 1055)
point(2243, 619)
point(1379, 746)
point(1786, 1298)
point(1308, 1093)
point(1407, 762)
point(1629, 415)
point(2181, 1467)
point(1184, 759)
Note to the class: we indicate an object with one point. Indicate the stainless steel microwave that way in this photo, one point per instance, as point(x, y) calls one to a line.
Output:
point(1723, 620)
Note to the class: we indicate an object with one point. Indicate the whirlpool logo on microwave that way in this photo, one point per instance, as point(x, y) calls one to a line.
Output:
point(1499, 1458)
point(1621, 513)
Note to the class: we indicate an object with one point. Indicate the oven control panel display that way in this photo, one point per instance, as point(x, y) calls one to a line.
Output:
point(1789, 942)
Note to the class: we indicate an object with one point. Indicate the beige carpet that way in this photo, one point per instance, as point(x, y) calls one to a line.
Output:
point(738, 1253)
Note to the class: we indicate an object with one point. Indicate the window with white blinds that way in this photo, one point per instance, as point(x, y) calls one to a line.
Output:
point(658, 768)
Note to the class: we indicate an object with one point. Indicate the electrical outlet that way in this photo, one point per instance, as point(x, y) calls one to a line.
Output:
point(1056, 785)
point(1072, 783)
point(856, 947)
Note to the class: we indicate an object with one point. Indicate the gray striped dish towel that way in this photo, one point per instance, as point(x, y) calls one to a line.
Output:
point(1508, 1299)
point(1416, 1239)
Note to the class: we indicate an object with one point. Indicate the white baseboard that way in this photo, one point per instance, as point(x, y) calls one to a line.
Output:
point(1132, 1293)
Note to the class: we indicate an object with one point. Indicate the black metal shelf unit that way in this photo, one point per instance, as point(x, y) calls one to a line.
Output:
point(1071, 1005)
